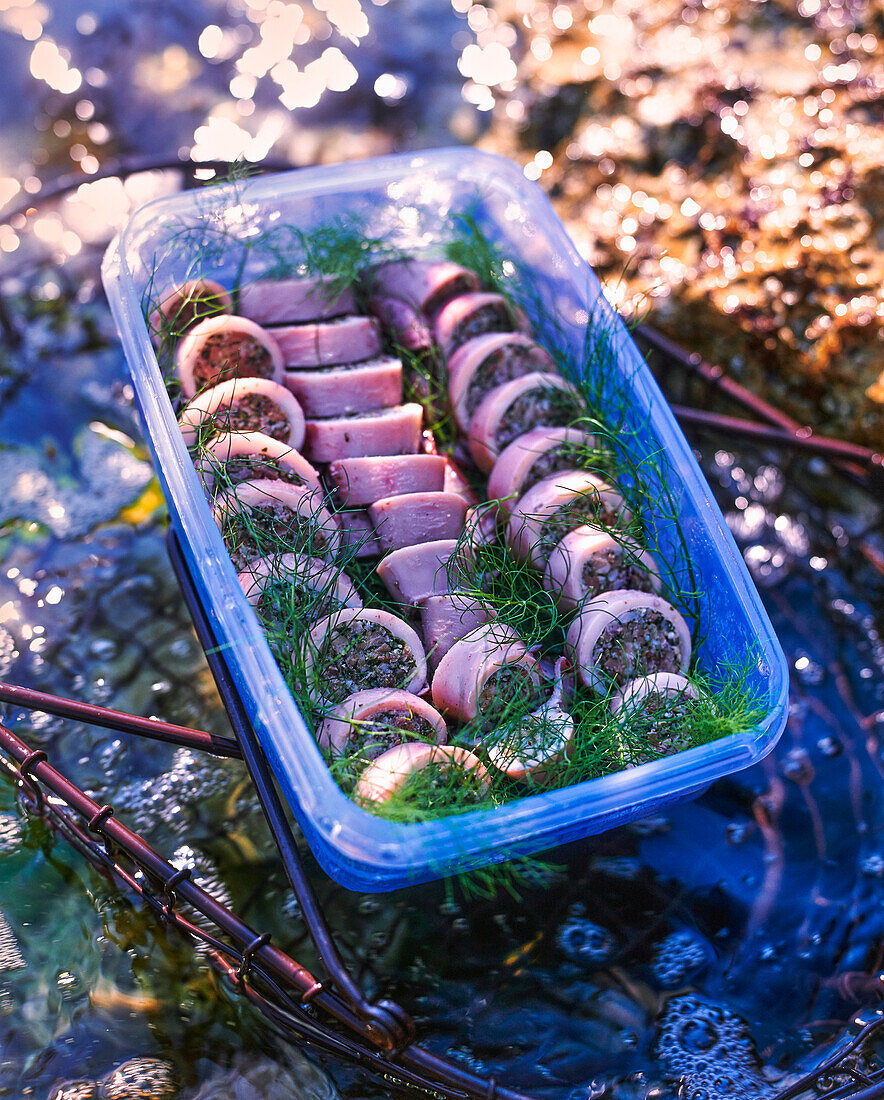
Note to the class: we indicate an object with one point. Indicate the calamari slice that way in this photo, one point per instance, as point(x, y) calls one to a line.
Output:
point(347, 388)
point(487, 361)
point(376, 719)
point(258, 518)
point(245, 405)
point(300, 585)
point(469, 315)
point(448, 617)
point(252, 456)
point(590, 560)
point(356, 649)
point(221, 348)
point(359, 481)
point(358, 537)
point(532, 457)
point(514, 408)
point(655, 707)
point(392, 431)
point(624, 634)
point(407, 518)
point(408, 327)
point(556, 505)
point(307, 298)
point(324, 343)
point(186, 306)
point(484, 674)
point(416, 572)
point(390, 772)
point(541, 739)
point(424, 284)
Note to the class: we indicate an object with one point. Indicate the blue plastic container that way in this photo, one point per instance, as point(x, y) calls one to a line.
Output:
point(222, 232)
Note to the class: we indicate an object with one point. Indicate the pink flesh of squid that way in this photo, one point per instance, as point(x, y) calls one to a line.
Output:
point(374, 384)
point(359, 481)
point(290, 301)
point(324, 343)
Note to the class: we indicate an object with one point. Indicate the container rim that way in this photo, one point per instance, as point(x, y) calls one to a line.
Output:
point(398, 850)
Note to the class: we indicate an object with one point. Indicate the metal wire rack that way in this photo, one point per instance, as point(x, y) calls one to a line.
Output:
point(331, 1013)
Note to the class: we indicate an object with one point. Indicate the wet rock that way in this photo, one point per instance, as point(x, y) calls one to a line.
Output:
point(140, 1079)
point(75, 1090)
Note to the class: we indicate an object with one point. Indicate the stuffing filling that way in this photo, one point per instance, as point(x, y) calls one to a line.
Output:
point(361, 655)
point(548, 406)
point(253, 412)
point(272, 527)
point(500, 366)
point(283, 598)
point(660, 726)
point(646, 642)
point(259, 467)
point(386, 729)
point(490, 317)
point(183, 312)
point(225, 355)
point(510, 687)
point(552, 461)
point(615, 568)
point(588, 507)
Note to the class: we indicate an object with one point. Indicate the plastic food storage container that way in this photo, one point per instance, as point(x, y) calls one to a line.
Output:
point(405, 200)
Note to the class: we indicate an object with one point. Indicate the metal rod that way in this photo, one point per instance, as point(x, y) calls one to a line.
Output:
point(383, 1021)
point(717, 377)
point(262, 778)
point(119, 721)
point(102, 822)
point(802, 439)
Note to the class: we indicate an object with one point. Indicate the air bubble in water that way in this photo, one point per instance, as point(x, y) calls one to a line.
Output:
point(586, 943)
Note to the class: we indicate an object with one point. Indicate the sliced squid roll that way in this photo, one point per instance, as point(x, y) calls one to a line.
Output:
point(306, 587)
point(186, 306)
point(657, 706)
point(447, 618)
point(347, 388)
point(487, 361)
point(359, 481)
point(424, 284)
point(351, 650)
point(408, 518)
point(646, 693)
point(358, 536)
point(253, 456)
point(394, 431)
point(590, 560)
point(514, 408)
point(391, 771)
point(532, 457)
point(324, 343)
point(556, 505)
point(377, 719)
point(289, 301)
point(245, 405)
point(223, 348)
point(413, 573)
point(486, 674)
point(621, 635)
point(258, 518)
point(473, 314)
point(406, 324)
